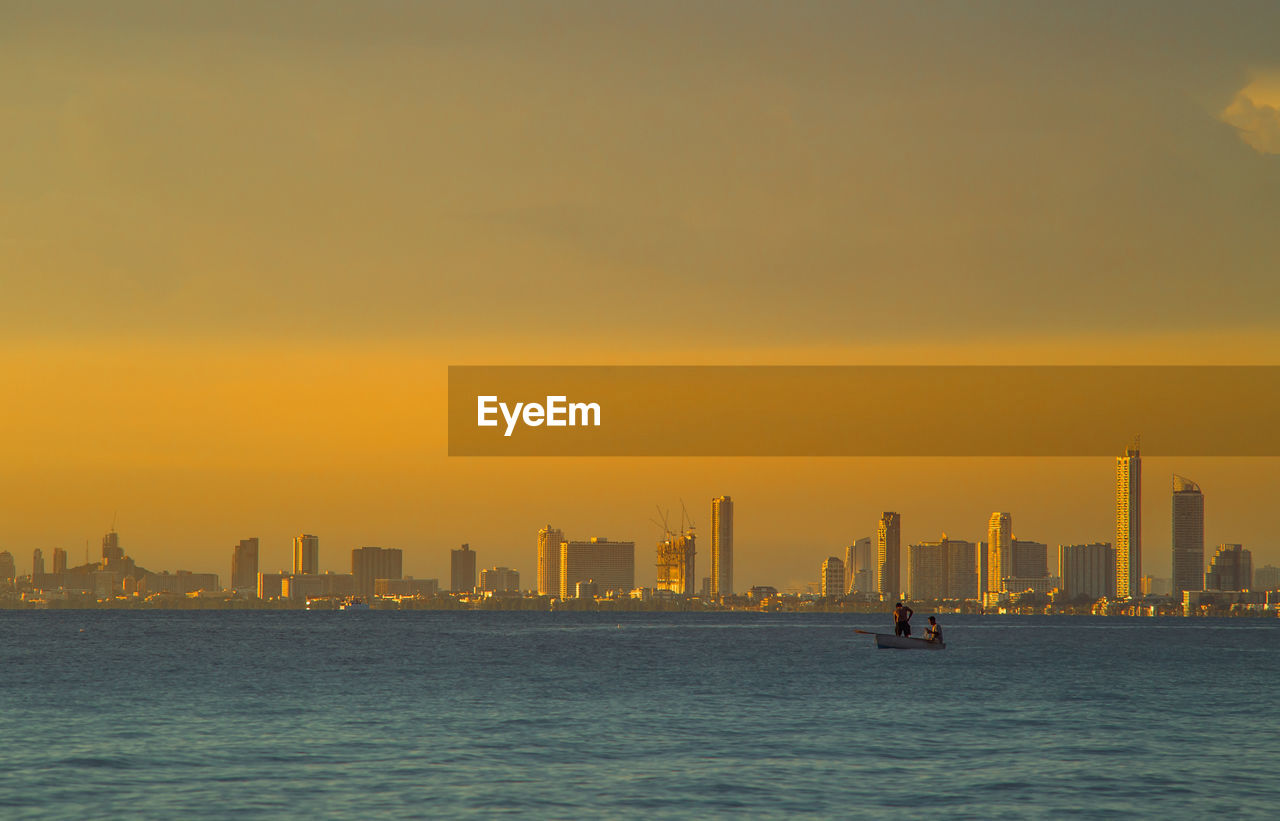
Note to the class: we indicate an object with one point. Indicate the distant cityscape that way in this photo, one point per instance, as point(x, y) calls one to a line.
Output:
point(1002, 574)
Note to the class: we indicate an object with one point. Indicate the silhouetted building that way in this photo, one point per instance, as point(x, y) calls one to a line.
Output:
point(1087, 570)
point(462, 570)
point(833, 577)
point(1188, 536)
point(676, 555)
point(549, 540)
point(371, 563)
point(59, 560)
point(180, 583)
point(111, 550)
point(426, 588)
point(611, 565)
point(889, 555)
point(271, 585)
point(499, 580)
point(37, 564)
point(999, 550)
point(585, 589)
point(306, 554)
point(244, 565)
point(299, 587)
point(721, 546)
point(1231, 569)
point(1266, 577)
point(8, 570)
point(860, 566)
point(945, 569)
point(1129, 524)
point(1030, 560)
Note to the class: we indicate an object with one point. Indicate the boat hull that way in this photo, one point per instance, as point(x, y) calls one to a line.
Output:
point(884, 641)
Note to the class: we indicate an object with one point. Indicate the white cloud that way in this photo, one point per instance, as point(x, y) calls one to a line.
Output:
point(1255, 114)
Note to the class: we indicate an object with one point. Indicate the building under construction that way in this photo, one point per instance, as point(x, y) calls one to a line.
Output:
point(675, 563)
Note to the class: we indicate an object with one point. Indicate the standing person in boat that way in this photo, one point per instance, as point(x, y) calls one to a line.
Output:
point(934, 631)
point(902, 619)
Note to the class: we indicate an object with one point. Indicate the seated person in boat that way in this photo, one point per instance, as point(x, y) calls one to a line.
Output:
point(934, 631)
point(902, 619)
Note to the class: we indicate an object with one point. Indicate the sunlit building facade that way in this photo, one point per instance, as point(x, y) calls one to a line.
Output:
point(889, 555)
point(860, 566)
point(549, 541)
point(721, 546)
point(675, 565)
point(306, 554)
point(1129, 524)
point(999, 550)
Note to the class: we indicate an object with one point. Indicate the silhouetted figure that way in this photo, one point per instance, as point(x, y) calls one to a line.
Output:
point(902, 619)
point(934, 631)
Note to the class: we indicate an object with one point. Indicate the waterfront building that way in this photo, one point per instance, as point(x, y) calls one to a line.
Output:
point(244, 565)
point(1188, 536)
point(945, 569)
point(549, 540)
point(999, 549)
point(860, 566)
point(1087, 570)
point(1266, 577)
point(368, 564)
point(611, 565)
point(889, 555)
point(462, 570)
point(306, 554)
point(499, 580)
point(832, 580)
point(676, 555)
point(721, 546)
point(1129, 523)
point(1231, 569)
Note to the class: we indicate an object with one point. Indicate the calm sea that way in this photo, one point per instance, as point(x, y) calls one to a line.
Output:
point(415, 714)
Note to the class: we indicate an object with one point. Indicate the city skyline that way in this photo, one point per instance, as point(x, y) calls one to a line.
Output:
point(248, 551)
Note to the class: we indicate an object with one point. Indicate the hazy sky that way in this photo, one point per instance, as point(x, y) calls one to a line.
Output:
point(239, 245)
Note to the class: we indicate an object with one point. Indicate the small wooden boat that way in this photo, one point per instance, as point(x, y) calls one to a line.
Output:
point(885, 641)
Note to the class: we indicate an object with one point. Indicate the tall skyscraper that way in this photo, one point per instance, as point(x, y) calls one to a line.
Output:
point(549, 539)
point(1087, 570)
point(889, 555)
point(59, 560)
point(676, 555)
point(37, 563)
point(1231, 569)
point(1188, 536)
point(1129, 524)
point(244, 565)
point(462, 570)
point(999, 550)
point(8, 569)
point(721, 547)
point(860, 567)
point(611, 565)
point(368, 564)
point(306, 554)
point(833, 577)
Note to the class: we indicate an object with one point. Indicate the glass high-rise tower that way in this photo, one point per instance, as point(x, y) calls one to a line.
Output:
point(1129, 524)
point(721, 547)
point(889, 555)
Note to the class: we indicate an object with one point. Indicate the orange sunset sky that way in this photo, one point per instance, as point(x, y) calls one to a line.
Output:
point(239, 247)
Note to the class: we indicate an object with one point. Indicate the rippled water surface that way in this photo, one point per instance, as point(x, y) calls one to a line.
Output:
point(389, 714)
